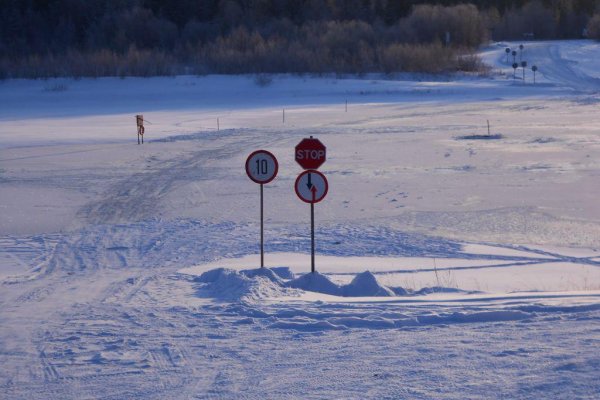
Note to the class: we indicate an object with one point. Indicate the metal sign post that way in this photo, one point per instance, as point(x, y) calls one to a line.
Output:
point(261, 167)
point(262, 228)
point(311, 187)
point(312, 237)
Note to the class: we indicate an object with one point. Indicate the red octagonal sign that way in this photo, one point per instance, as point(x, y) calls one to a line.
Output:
point(310, 153)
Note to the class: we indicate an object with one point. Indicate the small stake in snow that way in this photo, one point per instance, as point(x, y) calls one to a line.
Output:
point(437, 278)
point(218, 126)
point(139, 119)
point(488, 122)
point(311, 187)
point(261, 167)
point(515, 66)
point(534, 69)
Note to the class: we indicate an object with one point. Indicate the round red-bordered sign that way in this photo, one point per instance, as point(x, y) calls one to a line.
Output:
point(311, 186)
point(262, 166)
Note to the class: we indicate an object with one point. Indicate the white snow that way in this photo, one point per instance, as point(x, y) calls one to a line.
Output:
point(229, 284)
point(521, 272)
point(447, 266)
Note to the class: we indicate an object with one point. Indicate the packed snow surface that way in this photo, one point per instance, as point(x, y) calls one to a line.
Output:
point(451, 263)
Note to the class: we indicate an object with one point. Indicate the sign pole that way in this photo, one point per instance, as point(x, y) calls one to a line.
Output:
point(311, 187)
point(262, 237)
point(312, 237)
point(262, 167)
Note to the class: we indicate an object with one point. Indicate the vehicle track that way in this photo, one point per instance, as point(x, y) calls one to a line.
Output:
point(559, 70)
point(139, 196)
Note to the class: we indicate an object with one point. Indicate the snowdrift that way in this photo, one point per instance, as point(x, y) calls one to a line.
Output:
point(254, 284)
point(228, 284)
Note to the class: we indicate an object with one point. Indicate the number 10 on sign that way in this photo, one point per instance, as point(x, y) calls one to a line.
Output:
point(261, 167)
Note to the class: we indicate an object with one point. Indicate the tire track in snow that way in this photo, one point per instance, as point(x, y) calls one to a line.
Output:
point(32, 254)
point(140, 195)
point(555, 68)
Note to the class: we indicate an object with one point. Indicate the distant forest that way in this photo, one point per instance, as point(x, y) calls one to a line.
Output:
point(47, 38)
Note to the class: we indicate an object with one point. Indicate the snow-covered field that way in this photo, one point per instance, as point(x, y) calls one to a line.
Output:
point(131, 271)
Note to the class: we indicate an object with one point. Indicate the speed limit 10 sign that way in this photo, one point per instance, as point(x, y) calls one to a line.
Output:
point(262, 166)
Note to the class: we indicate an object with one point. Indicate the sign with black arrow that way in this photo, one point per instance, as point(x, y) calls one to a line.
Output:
point(311, 187)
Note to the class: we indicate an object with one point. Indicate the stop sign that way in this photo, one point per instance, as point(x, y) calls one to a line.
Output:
point(310, 153)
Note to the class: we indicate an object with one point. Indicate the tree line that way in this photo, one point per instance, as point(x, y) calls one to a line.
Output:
point(42, 38)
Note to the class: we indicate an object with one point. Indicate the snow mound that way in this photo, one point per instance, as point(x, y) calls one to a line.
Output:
point(229, 284)
point(264, 272)
point(316, 282)
point(283, 272)
point(214, 275)
point(399, 291)
point(261, 283)
point(365, 284)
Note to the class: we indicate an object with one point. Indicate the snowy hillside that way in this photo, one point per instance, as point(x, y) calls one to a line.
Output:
point(450, 264)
